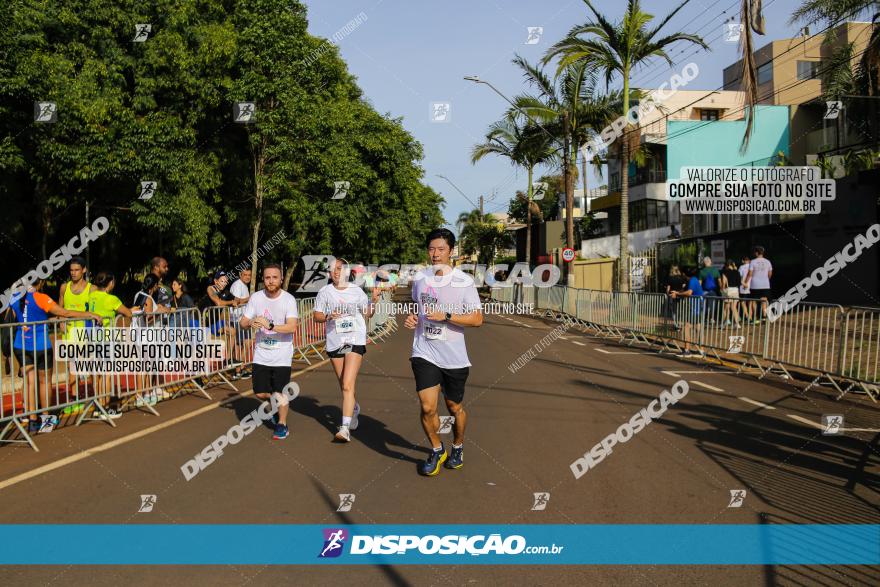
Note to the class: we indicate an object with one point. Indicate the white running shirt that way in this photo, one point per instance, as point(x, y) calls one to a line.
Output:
point(239, 290)
point(442, 343)
point(351, 328)
point(761, 269)
point(271, 348)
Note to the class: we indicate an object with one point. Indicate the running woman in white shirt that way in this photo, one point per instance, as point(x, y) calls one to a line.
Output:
point(343, 306)
point(447, 301)
point(272, 311)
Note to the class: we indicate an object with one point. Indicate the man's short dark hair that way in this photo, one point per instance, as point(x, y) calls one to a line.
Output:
point(156, 261)
point(443, 233)
point(77, 260)
point(758, 250)
point(273, 266)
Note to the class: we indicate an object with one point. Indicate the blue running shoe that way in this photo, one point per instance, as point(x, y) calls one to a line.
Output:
point(281, 432)
point(456, 458)
point(431, 466)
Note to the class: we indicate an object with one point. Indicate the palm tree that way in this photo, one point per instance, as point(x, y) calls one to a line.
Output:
point(525, 145)
point(573, 113)
point(480, 234)
point(617, 49)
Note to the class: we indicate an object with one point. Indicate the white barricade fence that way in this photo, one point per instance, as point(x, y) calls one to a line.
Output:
point(840, 345)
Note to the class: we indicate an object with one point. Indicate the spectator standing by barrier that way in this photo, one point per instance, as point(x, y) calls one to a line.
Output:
point(181, 300)
point(159, 268)
point(240, 288)
point(219, 295)
point(692, 312)
point(758, 281)
point(744, 291)
point(145, 306)
point(730, 283)
point(107, 307)
point(676, 282)
point(710, 280)
point(74, 295)
point(32, 348)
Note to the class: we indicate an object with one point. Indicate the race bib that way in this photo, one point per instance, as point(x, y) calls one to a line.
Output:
point(269, 343)
point(345, 324)
point(435, 331)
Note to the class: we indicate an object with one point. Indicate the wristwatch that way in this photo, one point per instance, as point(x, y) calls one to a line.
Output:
point(448, 316)
point(271, 325)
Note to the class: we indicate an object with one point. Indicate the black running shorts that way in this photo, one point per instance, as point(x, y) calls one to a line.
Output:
point(451, 381)
point(270, 379)
point(357, 348)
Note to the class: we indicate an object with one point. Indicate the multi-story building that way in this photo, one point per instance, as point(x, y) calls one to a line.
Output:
point(789, 73)
point(692, 128)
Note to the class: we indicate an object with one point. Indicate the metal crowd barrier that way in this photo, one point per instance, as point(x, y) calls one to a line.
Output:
point(838, 345)
point(54, 387)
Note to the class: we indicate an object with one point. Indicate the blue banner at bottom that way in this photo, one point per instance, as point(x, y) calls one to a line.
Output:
point(638, 544)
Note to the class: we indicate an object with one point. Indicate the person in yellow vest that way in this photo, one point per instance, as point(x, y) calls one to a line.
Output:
point(106, 305)
point(74, 295)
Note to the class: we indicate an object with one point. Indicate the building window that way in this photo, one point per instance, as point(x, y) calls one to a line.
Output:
point(708, 114)
point(765, 73)
point(807, 70)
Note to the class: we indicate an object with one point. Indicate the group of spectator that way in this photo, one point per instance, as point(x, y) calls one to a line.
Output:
point(91, 302)
point(726, 297)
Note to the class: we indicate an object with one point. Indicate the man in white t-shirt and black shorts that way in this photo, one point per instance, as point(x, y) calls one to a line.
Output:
point(273, 314)
point(758, 280)
point(447, 301)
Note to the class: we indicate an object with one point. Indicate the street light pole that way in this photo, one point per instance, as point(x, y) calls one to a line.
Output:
point(477, 80)
point(458, 190)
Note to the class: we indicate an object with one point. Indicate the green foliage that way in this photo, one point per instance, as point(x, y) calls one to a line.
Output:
point(161, 110)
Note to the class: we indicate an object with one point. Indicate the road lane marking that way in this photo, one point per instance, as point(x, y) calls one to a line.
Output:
point(818, 425)
point(707, 386)
point(578, 343)
point(134, 435)
point(754, 403)
point(619, 352)
point(678, 373)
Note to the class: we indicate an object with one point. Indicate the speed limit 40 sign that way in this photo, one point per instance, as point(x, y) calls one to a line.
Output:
point(568, 254)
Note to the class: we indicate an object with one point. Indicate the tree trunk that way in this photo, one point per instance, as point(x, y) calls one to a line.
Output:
point(569, 184)
point(259, 169)
point(288, 274)
point(529, 220)
point(584, 171)
point(623, 256)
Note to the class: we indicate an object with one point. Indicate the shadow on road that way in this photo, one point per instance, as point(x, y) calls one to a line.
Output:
point(389, 571)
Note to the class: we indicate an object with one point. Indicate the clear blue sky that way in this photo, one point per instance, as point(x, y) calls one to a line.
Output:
point(409, 54)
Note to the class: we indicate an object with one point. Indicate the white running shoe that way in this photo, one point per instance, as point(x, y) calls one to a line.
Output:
point(354, 417)
point(343, 435)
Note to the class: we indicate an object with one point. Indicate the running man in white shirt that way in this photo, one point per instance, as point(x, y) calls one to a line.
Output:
point(342, 305)
point(273, 313)
point(447, 301)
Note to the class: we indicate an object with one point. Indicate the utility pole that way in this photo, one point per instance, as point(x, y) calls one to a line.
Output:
point(481, 208)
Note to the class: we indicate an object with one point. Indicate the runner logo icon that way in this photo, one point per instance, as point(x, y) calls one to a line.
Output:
point(334, 541)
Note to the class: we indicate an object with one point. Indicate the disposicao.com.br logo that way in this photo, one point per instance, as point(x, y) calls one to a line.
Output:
point(430, 544)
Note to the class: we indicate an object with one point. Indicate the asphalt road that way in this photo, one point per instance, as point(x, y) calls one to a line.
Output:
point(525, 429)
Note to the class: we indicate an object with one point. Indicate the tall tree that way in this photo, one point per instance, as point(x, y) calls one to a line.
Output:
point(524, 144)
point(572, 111)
